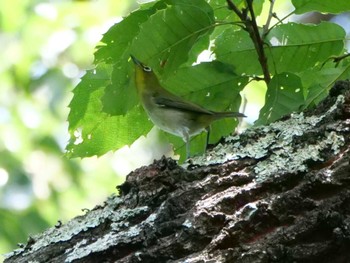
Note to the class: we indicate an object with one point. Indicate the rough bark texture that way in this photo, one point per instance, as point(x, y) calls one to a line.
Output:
point(278, 193)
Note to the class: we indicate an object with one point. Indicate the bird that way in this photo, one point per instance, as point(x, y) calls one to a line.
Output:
point(170, 112)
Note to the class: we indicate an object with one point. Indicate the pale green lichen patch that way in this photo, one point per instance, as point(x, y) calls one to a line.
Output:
point(287, 160)
point(118, 236)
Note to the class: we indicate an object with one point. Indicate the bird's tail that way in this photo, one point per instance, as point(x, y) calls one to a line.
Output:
point(229, 114)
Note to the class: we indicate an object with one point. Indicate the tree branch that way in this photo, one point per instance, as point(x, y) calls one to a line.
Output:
point(252, 28)
point(259, 196)
point(234, 8)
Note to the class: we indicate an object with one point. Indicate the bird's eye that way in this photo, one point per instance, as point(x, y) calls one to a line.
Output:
point(148, 69)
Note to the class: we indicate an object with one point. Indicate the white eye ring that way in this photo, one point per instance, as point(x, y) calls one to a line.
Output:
point(148, 69)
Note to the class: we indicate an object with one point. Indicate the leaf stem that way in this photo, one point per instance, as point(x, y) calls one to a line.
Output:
point(337, 59)
point(268, 21)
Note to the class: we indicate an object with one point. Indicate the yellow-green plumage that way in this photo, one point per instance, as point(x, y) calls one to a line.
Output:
point(172, 113)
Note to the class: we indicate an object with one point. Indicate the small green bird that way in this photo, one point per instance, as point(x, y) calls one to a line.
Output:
point(172, 113)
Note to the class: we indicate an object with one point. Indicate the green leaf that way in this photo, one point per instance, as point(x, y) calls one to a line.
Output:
point(105, 133)
point(320, 81)
point(324, 6)
point(87, 94)
point(258, 7)
point(222, 128)
point(284, 95)
point(94, 132)
point(169, 34)
point(116, 41)
point(236, 48)
point(296, 47)
point(221, 11)
point(120, 96)
point(291, 47)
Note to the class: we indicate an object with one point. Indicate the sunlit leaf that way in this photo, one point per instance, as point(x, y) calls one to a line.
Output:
point(109, 133)
point(324, 6)
point(87, 96)
point(94, 132)
point(115, 42)
point(241, 55)
point(169, 34)
point(120, 96)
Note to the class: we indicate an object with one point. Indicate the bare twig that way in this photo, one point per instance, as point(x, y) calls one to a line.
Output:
point(280, 21)
point(270, 16)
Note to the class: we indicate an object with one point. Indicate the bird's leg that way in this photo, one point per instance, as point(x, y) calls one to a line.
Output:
point(208, 136)
point(186, 138)
point(188, 154)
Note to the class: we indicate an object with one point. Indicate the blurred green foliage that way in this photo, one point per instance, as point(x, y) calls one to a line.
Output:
point(45, 46)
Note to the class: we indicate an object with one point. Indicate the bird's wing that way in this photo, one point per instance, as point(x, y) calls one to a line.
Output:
point(177, 103)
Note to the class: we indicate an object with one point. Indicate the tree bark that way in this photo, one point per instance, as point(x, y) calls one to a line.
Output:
point(277, 193)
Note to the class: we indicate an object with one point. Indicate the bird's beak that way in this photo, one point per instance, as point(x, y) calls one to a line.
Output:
point(136, 61)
